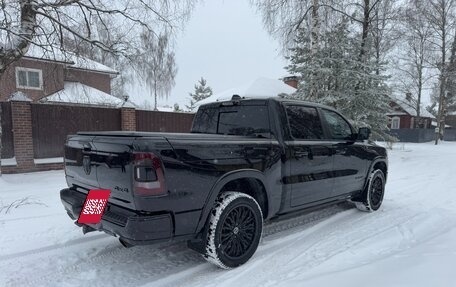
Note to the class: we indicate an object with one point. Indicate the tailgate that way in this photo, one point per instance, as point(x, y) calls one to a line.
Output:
point(114, 169)
point(80, 165)
point(101, 162)
point(107, 161)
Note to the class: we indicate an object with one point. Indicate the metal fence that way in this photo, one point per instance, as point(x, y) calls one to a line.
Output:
point(7, 131)
point(153, 121)
point(421, 135)
point(52, 123)
point(449, 135)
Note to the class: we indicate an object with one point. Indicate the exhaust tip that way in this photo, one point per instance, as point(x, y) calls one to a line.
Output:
point(125, 244)
point(87, 229)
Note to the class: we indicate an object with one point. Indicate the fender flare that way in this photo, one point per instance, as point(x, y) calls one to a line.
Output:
point(371, 169)
point(221, 182)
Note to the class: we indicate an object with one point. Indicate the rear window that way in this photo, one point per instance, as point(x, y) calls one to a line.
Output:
point(235, 120)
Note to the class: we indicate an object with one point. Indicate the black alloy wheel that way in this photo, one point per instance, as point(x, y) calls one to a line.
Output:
point(376, 193)
point(238, 232)
point(233, 231)
point(372, 197)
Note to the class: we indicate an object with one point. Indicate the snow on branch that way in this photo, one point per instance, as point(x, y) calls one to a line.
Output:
point(55, 24)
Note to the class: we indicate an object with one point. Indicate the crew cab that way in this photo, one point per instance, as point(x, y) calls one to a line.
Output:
point(244, 162)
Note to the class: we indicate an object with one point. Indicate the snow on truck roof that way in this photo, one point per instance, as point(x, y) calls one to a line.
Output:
point(259, 88)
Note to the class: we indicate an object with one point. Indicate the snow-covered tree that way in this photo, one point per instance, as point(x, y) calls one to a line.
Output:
point(48, 24)
point(414, 56)
point(440, 14)
point(157, 64)
point(338, 50)
point(450, 99)
point(202, 91)
point(339, 79)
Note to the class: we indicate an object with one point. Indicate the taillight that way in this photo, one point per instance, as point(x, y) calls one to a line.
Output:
point(148, 175)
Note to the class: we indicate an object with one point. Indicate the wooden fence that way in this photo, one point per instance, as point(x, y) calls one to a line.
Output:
point(152, 121)
point(51, 124)
point(33, 131)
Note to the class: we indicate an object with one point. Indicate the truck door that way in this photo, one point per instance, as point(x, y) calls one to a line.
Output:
point(309, 157)
point(350, 157)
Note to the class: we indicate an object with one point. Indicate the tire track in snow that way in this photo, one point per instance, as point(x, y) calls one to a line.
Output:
point(292, 225)
point(333, 238)
point(164, 259)
point(53, 247)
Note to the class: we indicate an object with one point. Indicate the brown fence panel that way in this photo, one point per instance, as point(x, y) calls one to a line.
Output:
point(7, 131)
point(52, 123)
point(153, 121)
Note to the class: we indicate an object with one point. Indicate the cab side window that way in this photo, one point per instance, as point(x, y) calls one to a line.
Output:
point(304, 123)
point(339, 128)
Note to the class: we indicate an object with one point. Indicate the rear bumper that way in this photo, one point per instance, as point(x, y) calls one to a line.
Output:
point(130, 226)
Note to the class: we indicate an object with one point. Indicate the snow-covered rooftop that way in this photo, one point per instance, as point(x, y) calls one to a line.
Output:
point(78, 93)
point(73, 60)
point(408, 107)
point(259, 88)
point(19, 96)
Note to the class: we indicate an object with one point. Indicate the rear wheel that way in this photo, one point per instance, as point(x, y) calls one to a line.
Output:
point(372, 197)
point(234, 230)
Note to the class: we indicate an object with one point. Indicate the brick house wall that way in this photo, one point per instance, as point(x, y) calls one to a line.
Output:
point(53, 75)
point(97, 80)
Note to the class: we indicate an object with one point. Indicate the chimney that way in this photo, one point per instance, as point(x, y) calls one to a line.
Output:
point(408, 96)
point(291, 81)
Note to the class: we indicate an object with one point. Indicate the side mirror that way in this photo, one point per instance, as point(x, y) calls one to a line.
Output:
point(364, 133)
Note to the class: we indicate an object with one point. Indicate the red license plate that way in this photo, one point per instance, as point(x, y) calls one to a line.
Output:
point(94, 206)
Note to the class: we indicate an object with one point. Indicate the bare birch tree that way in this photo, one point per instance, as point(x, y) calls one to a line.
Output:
point(440, 16)
point(451, 83)
point(416, 54)
point(158, 65)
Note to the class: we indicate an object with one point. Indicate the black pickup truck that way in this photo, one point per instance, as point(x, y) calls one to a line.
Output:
point(244, 162)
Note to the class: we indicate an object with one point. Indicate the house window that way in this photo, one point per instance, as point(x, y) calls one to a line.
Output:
point(395, 123)
point(29, 78)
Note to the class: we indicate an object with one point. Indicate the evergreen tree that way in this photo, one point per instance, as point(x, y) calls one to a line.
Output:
point(176, 108)
point(202, 91)
point(339, 78)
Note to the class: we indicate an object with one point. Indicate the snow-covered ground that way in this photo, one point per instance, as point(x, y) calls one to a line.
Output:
point(411, 241)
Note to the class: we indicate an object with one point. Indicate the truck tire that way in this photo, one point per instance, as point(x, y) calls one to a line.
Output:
point(372, 197)
point(233, 231)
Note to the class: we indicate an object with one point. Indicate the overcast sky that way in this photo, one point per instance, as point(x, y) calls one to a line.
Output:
point(225, 43)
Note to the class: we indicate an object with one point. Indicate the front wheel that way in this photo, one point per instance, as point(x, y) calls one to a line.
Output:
point(234, 230)
point(372, 197)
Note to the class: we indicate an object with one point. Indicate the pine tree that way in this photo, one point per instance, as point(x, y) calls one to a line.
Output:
point(202, 91)
point(176, 108)
point(340, 78)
